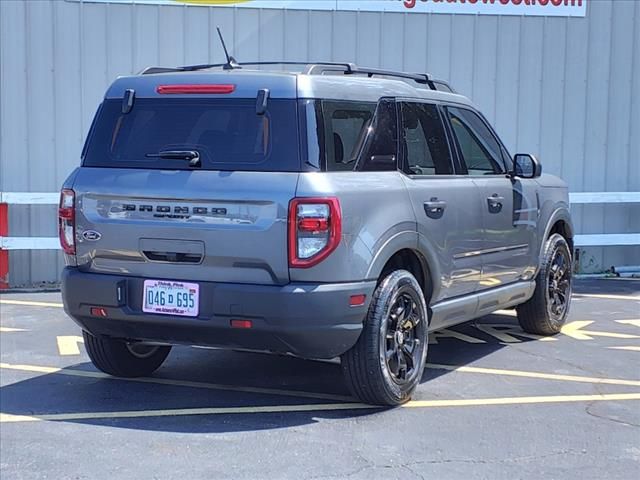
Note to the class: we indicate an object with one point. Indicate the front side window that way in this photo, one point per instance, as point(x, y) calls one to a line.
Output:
point(423, 140)
point(481, 152)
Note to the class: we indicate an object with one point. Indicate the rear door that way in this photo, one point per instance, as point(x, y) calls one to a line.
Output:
point(222, 220)
point(509, 207)
point(446, 207)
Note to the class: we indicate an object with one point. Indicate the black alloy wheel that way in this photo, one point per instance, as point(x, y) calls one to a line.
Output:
point(385, 365)
point(559, 283)
point(403, 345)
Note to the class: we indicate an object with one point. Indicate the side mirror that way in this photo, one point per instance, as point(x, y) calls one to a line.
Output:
point(526, 166)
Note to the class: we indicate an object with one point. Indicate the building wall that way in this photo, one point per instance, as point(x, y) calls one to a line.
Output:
point(565, 89)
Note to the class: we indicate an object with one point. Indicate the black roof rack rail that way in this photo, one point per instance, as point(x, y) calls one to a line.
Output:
point(316, 68)
point(152, 70)
point(351, 69)
point(204, 66)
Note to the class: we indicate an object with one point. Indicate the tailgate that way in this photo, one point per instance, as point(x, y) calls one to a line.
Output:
point(199, 225)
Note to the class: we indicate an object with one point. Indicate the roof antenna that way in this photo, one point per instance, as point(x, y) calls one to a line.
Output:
point(231, 62)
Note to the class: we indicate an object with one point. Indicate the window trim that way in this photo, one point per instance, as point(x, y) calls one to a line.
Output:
point(509, 159)
point(92, 128)
point(403, 166)
point(461, 165)
point(307, 163)
point(369, 138)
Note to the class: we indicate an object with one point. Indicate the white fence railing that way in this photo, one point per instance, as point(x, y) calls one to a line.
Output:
point(25, 243)
point(51, 243)
point(605, 239)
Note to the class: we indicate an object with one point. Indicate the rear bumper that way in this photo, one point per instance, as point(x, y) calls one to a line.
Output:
point(308, 320)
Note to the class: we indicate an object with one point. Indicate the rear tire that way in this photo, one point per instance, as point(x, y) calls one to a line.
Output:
point(546, 312)
point(123, 359)
point(386, 364)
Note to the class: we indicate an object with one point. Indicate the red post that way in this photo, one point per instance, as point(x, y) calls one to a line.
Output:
point(4, 254)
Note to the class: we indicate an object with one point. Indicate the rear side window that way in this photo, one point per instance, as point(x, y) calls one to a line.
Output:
point(424, 142)
point(481, 152)
point(345, 127)
point(348, 136)
point(227, 134)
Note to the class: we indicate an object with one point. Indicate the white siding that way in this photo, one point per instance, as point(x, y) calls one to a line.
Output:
point(563, 88)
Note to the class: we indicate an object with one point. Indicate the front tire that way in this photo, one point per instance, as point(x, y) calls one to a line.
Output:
point(386, 364)
point(546, 312)
point(124, 359)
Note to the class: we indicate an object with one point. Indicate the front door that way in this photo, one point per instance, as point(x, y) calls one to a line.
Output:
point(509, 206)
point(510, 216)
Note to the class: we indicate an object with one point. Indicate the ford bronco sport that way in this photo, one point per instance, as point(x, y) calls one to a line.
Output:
point(337, 212)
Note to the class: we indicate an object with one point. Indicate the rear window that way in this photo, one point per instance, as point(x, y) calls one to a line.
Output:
point(227, 134)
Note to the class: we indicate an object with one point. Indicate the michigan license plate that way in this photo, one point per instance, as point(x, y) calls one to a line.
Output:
point(171, 298)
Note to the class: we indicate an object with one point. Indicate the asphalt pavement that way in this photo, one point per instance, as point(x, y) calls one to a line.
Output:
point(494, 404)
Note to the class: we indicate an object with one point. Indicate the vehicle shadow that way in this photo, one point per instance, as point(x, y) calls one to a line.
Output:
point(221, 379)
point(454, 352)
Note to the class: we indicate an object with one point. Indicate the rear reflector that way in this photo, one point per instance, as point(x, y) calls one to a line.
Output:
point(313, 224)
point(241, 324)
point(357, 300)
point(98, 312)
point(195, 89)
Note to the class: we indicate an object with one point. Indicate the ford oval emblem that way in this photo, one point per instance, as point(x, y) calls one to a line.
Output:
point(91, 235)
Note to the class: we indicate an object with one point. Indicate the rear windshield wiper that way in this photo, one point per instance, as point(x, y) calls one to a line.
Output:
point(192, 155)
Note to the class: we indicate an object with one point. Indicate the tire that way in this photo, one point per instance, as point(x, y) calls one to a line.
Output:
point(542, 314)
point(122, 359)
point(397, 320)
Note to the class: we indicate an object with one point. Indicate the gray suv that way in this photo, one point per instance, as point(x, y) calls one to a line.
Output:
point(334, 212)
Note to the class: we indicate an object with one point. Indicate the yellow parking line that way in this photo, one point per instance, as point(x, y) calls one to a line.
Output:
point(10, 418)
point(545, 376)
point(631, 321)
point(608, 297)
point(522, 400)
point(31, 304)
point(511, 313)
point(302, 394)
point(629, 348)
point(11, 329)
point(175, 383)
point(68, 344)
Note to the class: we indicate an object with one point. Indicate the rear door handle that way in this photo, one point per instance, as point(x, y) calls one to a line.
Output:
point(434, 208)
point(495, 203)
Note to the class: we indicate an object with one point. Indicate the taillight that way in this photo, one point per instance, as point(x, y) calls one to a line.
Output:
point(67, 221)
point(315, 226)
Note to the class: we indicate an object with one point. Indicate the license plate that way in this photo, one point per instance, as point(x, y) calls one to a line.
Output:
point(171, 298)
